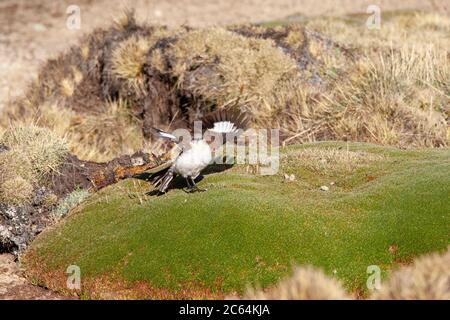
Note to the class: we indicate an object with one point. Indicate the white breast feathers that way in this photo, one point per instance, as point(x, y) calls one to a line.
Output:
point(192, 161)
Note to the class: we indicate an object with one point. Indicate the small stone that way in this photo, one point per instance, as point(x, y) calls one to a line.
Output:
point(324, 188)
point(39, 27)
point(288, 177)
point(332, 183)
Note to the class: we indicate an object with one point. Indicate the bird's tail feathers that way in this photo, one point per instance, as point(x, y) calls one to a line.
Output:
point(162, 179)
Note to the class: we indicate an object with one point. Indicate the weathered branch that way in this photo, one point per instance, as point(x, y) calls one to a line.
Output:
point(78, 174)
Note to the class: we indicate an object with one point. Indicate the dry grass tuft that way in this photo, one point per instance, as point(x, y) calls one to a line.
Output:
point(408, 28)
point(44, 149)
point(125, 19)
point(15, 163)
point(67, 87)
point(225, 69)
point(306, 283)
point(119, 133)
point(84, 51)
point(380, 102)
point(325, 160)
point(384, 90)
point(50, 200)
point(77, 75)
point(16, 191)
point(427, 279)
point(128, 58)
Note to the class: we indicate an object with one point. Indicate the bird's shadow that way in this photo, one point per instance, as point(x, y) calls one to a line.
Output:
point(180, 182)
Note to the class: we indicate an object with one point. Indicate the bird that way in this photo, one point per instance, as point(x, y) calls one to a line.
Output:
point(196, 154)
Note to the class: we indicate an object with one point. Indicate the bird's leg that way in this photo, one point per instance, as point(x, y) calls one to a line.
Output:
point(188, 182)
point(192, 186)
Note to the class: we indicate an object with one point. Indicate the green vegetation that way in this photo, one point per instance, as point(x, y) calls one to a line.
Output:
point(70, 201)
point(251, 230)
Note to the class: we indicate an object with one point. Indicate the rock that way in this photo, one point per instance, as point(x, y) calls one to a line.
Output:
point(13, 285)
point(39, 27)
point(288, 177)
point(324, 188)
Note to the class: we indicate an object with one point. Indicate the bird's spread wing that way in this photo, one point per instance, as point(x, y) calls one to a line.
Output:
point(224, 127)
point(218, 127)
point(224, 124)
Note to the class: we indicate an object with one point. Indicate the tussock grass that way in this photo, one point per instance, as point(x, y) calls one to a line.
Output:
point(17, 179)
point(44, 149)
point(396, 99)
point(15, 163)
point(125, 19)
point(397, 93)
point(33, 153)
point(306, 283)
point(67, 87)
point(428, 278)
point(15, 191)
point(387, 86)
point(119, 133)
point(408, 28)
point(128, 58)
point(50, 199)
point(231, 69)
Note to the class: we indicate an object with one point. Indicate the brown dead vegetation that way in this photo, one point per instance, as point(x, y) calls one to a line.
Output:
point(105, 94)
point(306, 283)
point(114, 287)
point(427, 278)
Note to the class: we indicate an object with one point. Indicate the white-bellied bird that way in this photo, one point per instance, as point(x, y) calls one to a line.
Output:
point(196, 153)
